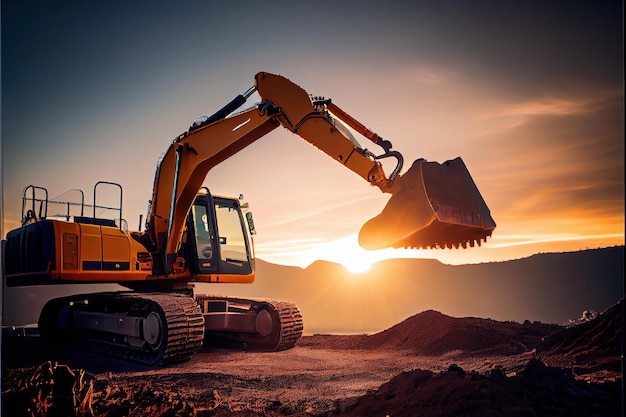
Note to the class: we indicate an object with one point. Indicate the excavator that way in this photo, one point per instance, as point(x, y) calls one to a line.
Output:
point(193, 236)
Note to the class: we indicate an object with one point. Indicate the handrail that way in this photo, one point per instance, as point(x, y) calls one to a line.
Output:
point(42, 212)
point(33, 213)
point(119, 209)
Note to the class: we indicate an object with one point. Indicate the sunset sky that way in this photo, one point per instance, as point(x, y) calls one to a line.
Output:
point(529, 93)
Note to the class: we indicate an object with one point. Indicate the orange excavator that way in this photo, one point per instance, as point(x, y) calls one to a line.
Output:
point(193, 236)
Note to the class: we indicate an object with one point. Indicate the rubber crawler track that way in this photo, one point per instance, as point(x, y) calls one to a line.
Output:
point(291, 324)
point(287, 328)
point(185, 324)
point(181, 314)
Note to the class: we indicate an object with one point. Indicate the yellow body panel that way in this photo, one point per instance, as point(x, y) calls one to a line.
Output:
point(115, 245)
point(90, 242)
point(227, 278)
point(69, 252)
point(93, 253)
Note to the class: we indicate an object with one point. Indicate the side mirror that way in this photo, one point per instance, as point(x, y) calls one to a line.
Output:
point(250, 223)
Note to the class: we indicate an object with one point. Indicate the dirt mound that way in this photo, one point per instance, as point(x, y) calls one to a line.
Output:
point(431, 334)
point(55, 390)
point(537, 390)
point(51, 389)
point(587, 347)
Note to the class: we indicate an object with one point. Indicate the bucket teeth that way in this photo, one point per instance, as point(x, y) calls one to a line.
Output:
point(471, 243)
point(433, 206)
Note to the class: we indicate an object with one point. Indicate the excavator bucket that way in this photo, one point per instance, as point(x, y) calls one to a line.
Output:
point(432, 206)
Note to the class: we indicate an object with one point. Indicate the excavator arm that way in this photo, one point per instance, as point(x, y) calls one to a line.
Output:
point(421, 212)
point(183, 170)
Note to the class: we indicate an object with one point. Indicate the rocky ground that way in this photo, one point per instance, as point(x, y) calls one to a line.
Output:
point(428, 365)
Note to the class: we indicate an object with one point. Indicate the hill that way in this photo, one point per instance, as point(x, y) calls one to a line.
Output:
point(548, 288)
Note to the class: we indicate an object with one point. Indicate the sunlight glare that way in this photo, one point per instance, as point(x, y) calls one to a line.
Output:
point(347, 252)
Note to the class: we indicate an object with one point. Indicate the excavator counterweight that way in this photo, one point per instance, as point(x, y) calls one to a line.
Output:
point(432, 206)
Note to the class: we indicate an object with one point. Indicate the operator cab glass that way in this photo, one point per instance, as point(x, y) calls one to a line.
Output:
point(232, 239)
point(204, 238)
point(221, 242)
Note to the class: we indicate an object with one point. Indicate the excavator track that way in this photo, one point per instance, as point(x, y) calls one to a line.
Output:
point(291, 324)
point(148, 328)
point(261, 325)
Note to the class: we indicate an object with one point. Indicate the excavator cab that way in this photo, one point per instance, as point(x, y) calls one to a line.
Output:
point(221, 243)
point(432, 206)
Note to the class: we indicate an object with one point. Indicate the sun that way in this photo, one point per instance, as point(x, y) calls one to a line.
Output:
point(347, 252)
point(357, 264)
point(344, 251)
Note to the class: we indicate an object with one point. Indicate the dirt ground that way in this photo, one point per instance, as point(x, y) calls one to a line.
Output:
point(310, 379)
point(313, 379)
point(482, 369)
point(307, 379)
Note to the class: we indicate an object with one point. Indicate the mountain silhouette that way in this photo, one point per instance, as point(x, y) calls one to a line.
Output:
point(548, 288)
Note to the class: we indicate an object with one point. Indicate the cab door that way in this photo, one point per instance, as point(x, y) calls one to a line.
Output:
point(220, 245)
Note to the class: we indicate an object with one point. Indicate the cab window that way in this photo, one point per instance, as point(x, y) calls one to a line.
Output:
point(204, 243)
point(232, 238)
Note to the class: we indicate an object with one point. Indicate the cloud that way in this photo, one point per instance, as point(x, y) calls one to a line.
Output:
point(429, 75)
point(579, 100)
point(546, 106)
point(505, 241)
point(555, 163)
point(321, 209)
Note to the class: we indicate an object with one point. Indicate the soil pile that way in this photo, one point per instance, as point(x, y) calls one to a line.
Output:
point(431, 333)
point(537, 391)
point(590, 347)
